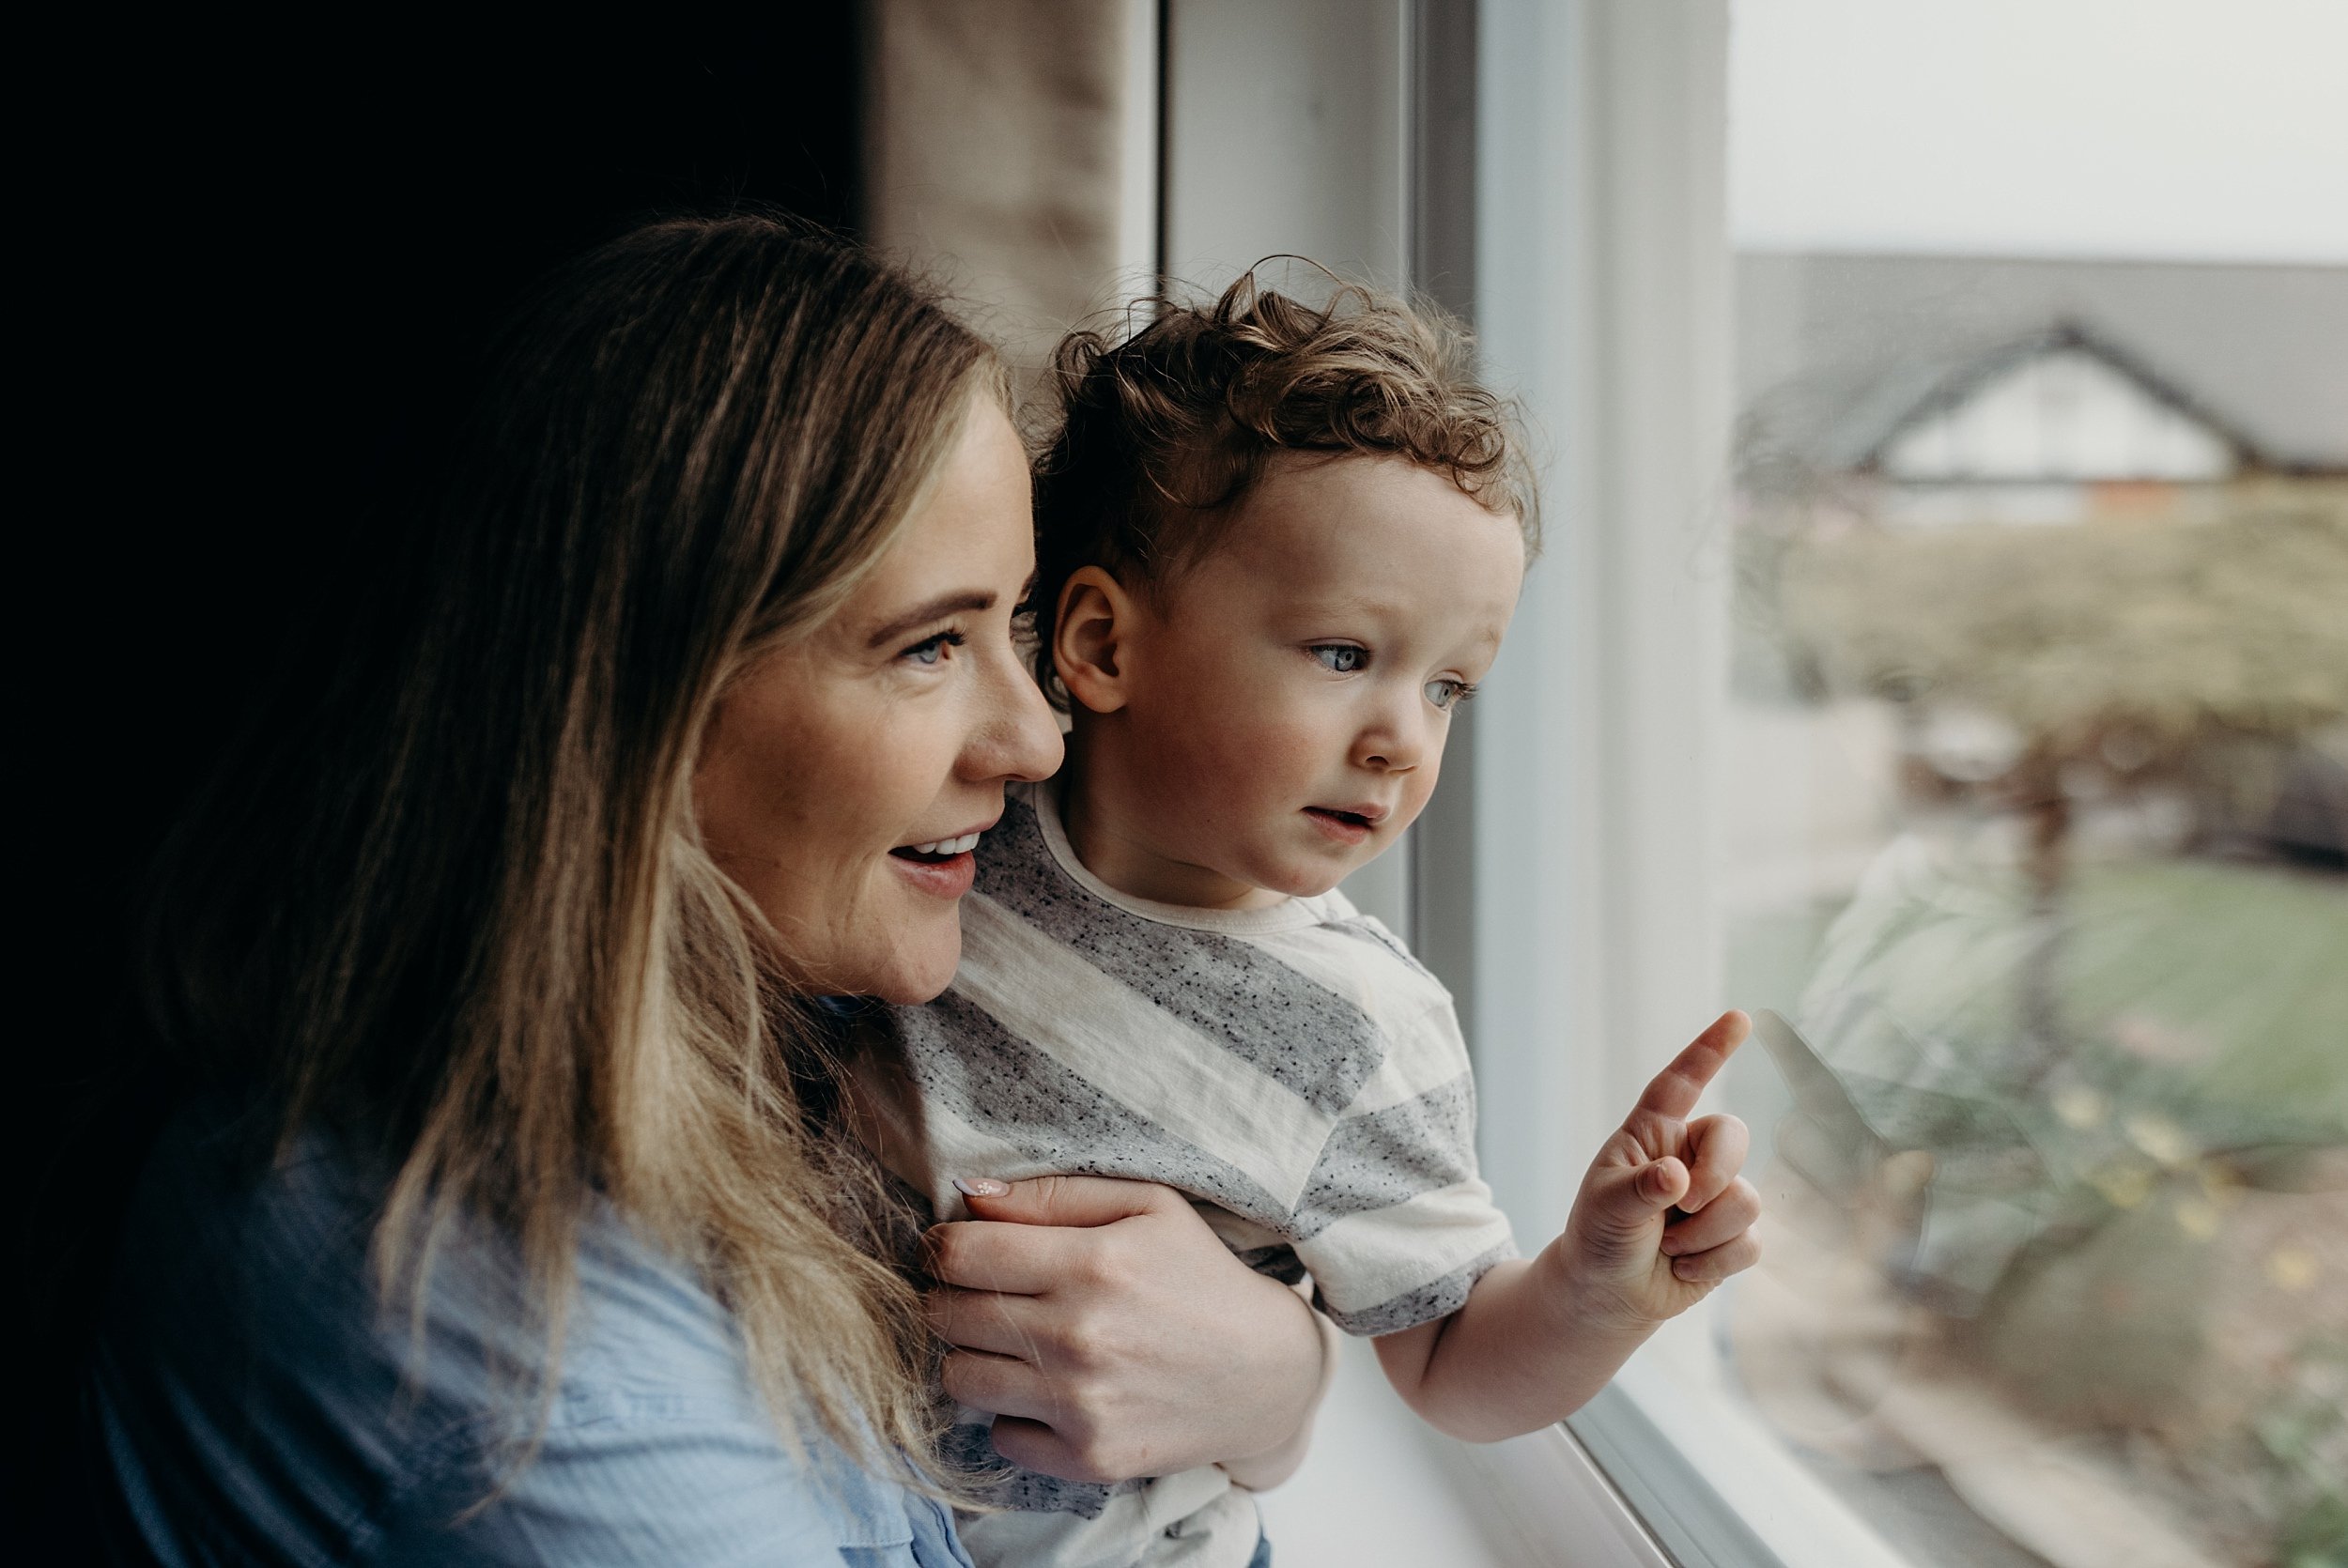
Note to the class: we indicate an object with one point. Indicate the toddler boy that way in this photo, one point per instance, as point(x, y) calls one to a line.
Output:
point(1278, 547)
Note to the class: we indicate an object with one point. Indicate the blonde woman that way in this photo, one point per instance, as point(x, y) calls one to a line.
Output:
point(504, 1222)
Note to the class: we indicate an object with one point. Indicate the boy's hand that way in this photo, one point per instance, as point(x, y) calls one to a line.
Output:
point(1660, 1219)
point(1662, 1215)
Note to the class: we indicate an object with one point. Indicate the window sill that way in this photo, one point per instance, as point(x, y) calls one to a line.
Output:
point(1717, 1487)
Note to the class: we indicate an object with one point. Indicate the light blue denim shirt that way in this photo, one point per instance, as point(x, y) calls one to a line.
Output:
point(248, 1403)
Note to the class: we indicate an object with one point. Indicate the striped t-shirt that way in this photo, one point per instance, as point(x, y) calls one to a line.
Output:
point(1292, 1069)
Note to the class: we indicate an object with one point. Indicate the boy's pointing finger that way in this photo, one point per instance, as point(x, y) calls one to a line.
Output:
point(1673, 1091)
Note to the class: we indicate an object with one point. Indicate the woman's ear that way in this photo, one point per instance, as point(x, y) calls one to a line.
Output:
point(1096, 615)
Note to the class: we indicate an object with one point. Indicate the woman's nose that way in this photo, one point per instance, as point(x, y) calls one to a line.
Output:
point(1021, 739)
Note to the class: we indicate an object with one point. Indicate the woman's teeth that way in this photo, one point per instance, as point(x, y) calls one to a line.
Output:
point(949, 846)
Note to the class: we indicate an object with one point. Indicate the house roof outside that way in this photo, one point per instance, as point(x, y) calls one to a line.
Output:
point(2081, 408)
point(1837, 353)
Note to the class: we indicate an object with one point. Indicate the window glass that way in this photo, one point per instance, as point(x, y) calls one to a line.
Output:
point(2036, 833)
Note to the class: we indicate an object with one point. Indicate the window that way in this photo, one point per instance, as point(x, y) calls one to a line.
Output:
point(1940, 644)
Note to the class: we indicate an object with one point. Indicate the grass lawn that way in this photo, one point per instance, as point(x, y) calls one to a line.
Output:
point(2247, 965)
point(2236, 973)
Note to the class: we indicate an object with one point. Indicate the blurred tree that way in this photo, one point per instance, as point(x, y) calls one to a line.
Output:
point(2130, 649)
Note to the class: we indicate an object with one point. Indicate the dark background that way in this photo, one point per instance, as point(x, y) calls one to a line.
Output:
point(259, 279)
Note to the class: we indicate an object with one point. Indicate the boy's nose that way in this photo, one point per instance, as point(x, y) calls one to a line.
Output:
point(1395, 745)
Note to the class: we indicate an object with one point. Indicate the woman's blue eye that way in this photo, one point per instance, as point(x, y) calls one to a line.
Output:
point(929, 650)
point(1342, 657)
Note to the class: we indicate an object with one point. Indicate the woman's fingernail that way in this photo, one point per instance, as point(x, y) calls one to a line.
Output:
point(979, 1186)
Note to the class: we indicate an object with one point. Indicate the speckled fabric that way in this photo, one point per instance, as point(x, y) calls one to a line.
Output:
point(1310, 1041)
point(1293, 1068)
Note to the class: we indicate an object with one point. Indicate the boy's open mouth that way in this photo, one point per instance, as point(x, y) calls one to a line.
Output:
point(1351, 819)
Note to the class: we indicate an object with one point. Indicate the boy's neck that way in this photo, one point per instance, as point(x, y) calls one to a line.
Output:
point(1108, 846)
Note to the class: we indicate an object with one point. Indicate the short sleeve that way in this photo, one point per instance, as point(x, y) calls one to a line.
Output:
point(1396, 1225)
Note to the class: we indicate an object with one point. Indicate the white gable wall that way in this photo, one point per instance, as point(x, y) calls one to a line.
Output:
point(2062, 414)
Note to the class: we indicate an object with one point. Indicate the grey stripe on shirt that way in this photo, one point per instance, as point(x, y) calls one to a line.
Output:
point(1300, 1035)
point(1192, 1023)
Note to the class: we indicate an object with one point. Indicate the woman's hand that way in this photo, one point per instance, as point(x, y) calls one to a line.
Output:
point(1112, 1335)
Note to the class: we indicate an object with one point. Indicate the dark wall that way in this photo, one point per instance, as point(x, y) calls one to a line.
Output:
point(262, 278)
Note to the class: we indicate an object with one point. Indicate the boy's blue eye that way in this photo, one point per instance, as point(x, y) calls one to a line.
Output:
point(1342, 657)
point(1448, 694)
point(931, 651)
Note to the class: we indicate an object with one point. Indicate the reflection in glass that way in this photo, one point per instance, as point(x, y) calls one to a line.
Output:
point(2042, 716)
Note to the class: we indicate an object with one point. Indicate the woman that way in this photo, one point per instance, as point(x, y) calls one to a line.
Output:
point(507, 1228)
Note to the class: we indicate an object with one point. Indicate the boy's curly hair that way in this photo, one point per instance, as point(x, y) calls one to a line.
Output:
point(1163, 434)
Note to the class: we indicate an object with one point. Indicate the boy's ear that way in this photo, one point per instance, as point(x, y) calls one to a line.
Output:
point(1096, 615)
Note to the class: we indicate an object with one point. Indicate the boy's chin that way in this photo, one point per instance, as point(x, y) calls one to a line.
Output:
point(1312, 885)
point(1293, 876)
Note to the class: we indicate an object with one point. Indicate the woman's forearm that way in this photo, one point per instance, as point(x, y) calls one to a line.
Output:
point(1260, 1472)
point(1113, 1336)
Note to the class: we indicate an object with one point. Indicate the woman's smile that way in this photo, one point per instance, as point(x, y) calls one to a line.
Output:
point(942, 868)
point(893, 726)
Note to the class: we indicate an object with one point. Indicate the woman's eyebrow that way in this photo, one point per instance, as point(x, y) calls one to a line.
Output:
point(935, 610)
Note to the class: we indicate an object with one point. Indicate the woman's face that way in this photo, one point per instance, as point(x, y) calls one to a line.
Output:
point(894, 725)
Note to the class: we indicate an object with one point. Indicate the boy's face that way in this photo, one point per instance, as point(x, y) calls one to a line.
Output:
point(1286, 697)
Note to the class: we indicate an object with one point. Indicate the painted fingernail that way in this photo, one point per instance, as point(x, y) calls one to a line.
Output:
point(979, 1186)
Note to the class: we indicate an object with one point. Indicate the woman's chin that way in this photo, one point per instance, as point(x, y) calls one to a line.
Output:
point(920, 969)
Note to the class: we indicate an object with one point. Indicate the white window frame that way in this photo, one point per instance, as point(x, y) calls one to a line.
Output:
point(1554, 171)
point(1603, 289)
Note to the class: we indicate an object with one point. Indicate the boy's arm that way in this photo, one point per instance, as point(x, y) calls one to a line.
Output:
point(1661, 1218)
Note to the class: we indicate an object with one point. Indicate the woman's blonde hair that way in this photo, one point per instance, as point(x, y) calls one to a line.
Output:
point(460, 916)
